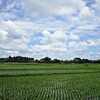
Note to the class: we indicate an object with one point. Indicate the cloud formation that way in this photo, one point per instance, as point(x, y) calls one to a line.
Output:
point(54, 7)
point(61, 29)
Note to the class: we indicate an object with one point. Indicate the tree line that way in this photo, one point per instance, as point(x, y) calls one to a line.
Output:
point(45, 60)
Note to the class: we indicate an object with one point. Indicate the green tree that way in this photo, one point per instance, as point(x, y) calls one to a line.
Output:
point(77, 60)
point(56, 61)
point(45, 60)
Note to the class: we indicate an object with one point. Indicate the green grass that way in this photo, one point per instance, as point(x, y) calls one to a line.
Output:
point(49, 81)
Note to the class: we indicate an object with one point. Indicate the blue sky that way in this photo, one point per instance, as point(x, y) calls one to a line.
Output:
point(62, 29)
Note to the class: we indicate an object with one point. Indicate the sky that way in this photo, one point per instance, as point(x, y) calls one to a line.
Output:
point(62, 29)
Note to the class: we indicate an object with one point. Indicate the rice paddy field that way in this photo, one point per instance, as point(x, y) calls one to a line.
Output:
point(27, 81)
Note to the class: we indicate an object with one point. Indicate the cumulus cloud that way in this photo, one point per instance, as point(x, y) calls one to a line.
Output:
point(82, 46)
point(56, 36)
point(13, 30)
point(85, 13)
point(52, 37)
point(78, 46)
point(12, 38)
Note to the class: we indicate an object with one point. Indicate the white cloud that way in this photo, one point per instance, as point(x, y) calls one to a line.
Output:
point(10, 5)
point(48, 37)
point(3, 35)
point(44, 24)
point(74, 36)
point(55, 7)
point(60, 35)
point(82, 46)
point(87, 27)
point(77, 46)
point(97, 5)
point(84, 16)
point(56, 46)
point(94, 43)
point(53, 37)
point(91, 43)
point(85, 13)
point(13, 38)
point(6, 16)
point(57, 36)
point(12, 30)
point(93, 55)
point(61, 28)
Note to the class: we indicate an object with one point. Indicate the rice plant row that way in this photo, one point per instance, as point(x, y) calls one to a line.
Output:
point(51, 87)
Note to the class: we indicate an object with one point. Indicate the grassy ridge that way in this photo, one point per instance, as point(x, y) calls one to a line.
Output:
point(32, 74)
point(18, 69)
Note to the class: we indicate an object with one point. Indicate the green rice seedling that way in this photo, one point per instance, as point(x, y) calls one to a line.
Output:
point(49, 82)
